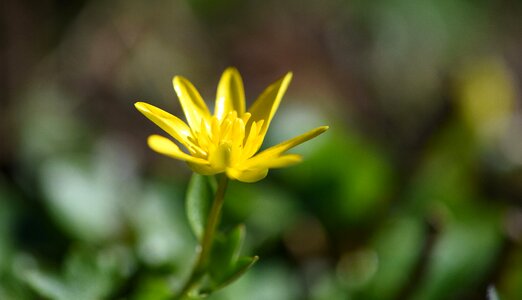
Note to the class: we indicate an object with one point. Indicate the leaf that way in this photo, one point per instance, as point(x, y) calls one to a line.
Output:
point(225, 252)
point(201, 190)
point(398, 246)
point(85, 275)
point(153, 287)
point(46, 285)
point(461, 256)
point(225, 265)
point(241, 266)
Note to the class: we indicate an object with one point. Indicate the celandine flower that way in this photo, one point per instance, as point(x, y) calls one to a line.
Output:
point(228, 140)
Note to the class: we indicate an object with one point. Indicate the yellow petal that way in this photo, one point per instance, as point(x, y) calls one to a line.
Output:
point(265, 107)
point(172, 125)
point(203, 169)
point(193, 105)
point(166, 147)
point(279, 162)
point(230, 94)
point(251, 175)
point(260, 171)
point(274, 151)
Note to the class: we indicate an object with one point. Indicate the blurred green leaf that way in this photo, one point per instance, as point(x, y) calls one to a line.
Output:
point(462, 255)
point(200, 194)
point(241, 266)
point(228, 276)
point(51, 126)
point(270, 280)
point(356, 186)
point(398, 243)
point(266, 209)
point(225, 265)
point(509, 284)
point(440, 180)
point(6, 219)
point(85, 193)
point(153, 288)
point(86, 275)
point(163, 235)
point(225, 252)
point(47, 285)
point(12, 288)
point(328, 287)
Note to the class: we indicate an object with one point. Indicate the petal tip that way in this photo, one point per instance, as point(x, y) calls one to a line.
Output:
point(232, 73)
point(288, 76)
point(324, 128)
point(140, 105)
point(154, 138)
point(231, 69)
point(178, 81)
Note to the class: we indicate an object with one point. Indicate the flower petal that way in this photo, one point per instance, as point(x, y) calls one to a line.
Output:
point(171, 124)
point(193, 105)
point(265, 107)
point(230, 94)
point(260, 170)
point(251, 175)
point(203, 169)
point(165, 146)
point(274, 151)
point(280, 161)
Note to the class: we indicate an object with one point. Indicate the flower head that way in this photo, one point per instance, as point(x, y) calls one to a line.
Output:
point(228, 140)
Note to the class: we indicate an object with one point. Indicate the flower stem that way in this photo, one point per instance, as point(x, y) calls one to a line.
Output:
point(208, 237)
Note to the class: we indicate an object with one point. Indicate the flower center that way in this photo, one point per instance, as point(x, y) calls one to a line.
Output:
point(228, 141)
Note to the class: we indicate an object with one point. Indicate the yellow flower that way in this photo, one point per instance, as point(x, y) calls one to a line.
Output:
point(228, 140)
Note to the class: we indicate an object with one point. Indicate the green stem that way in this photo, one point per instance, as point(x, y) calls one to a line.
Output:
point(208, 237)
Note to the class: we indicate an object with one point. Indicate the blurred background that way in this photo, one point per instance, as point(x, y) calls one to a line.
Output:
point(415, 192)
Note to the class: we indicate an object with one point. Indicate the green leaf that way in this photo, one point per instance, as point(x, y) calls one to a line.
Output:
point(85, 275)
point(153, 287)
point(397, 245)
point(462, 255)
point(241, 266)
point(225, 265)
point(201, 190)
point(46, 285)
point(225, 252)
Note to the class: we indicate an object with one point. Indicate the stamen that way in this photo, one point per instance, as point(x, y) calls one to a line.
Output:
point(238, 132)
point(214, 129)
point(246, 117)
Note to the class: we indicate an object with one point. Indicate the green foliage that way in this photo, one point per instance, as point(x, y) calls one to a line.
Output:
point(356, 185)
point(398, 245)
point(223, 264)
point(86, 275)
point(509, 283)
point(159, 225)
point(200, 193)
point(225, 252)
point(226, 265)
point(153, 288)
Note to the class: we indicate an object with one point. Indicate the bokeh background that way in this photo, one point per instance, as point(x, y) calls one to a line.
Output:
point(415, 192)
